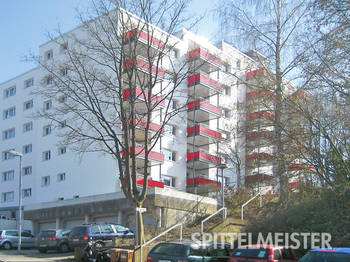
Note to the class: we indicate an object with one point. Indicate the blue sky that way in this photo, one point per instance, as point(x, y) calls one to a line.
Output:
point(24, 24)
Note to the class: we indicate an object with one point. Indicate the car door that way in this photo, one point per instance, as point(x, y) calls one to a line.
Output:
point(12, 237)
point(27, 240)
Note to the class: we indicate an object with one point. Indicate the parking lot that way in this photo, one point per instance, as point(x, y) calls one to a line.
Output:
point(33, 255)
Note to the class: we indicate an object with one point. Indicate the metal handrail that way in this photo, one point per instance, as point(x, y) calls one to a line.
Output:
point(246, 203)
point(209, 217)
point(161, 234)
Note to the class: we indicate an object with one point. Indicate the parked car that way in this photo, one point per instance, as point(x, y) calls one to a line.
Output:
point(101, 234)
point(263, 253)
point(53, 240)
point(327, 255)
point(9, 239)
point(187, 251)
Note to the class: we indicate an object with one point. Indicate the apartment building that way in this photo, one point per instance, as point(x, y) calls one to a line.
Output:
point(188, 157)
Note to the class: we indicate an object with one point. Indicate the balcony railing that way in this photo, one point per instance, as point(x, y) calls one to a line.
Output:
point(141, 153)
point(254, 73)
point(200, 181)
point(142, 64)
point(259, 135)
point(261, 114)
point(142, 95)
point(258, 177)
point(260, 93)
point(151, 183)
point(143, 37)
point(139, 122)
point(203, 157)
point(206, 56)
point(260, 156)
point(205, 106)
point(203, 130)
point(302, 167)
point(203, 80)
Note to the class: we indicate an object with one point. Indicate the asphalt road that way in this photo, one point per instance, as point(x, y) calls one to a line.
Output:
point(33, 255)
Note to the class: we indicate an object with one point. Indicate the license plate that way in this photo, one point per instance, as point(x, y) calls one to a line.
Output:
point(42, 245)
point(164, 260)
point(75, 240)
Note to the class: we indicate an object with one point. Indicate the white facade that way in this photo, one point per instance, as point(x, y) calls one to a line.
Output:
point(56, 173)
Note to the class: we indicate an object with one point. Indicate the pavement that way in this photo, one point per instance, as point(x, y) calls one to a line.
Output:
point(33, 255)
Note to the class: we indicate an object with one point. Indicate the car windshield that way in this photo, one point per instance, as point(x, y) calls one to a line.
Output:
point(170, 249)
point(251, 253)
point(50, 233)
point(325, 257)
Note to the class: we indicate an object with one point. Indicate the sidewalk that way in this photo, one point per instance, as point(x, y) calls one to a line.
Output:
point(33, 255)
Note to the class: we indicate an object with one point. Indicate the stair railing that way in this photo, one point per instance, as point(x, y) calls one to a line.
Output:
point(223, 209)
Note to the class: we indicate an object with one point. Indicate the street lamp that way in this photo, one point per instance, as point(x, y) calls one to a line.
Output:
point(222, 167)
point(15, 153)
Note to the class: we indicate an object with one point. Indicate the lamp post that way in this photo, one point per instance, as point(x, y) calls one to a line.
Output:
point(15, 153)
point(222, 167)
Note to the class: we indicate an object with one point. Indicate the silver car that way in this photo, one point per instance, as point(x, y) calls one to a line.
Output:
point(9, 239)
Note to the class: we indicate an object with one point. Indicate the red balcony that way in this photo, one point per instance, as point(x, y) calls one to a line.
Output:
point(140, 153)
point(261, 114)
point(260, 93)
point(200, 53)
point(258, 178)
point(143, 96)
point(151, 183)
point(204, 111)
point(143, 37)
point(306, 167)
point(293, 184)
point(140, 123)
point(204, 85)
point(203, 159)
point(204, 135)
point(259, 135)
point(256, 156)
point(143, 65)
point(255, 73)
point(203, 182)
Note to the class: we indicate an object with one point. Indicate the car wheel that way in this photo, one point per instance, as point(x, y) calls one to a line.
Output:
point(7, 245)
point(64, 248)
point(42, 250)
point(99, 245)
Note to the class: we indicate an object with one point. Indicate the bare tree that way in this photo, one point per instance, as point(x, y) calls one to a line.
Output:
point(270, 27)
point(115, 85)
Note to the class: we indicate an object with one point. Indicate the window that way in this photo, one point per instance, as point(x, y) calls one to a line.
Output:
point(28, 127)
point(64, 46)
point(226, 68)
point(8, 175)
point(46, 130)
point(62, 150)
point(173, 53)
point(106, 229)
point(27, 192)
point(174, 104)
point(45, 181)
point(227, 113)
point(227, 90)
point(49, 80)
point(169, 155)
point(62, 124)
point(9, 133)
point(64, 71)
point(28, 105)
point(29, 83)
point(47, 105)
point(6, 155)
point(61, 177)
point(46, 155)
point(226, 181)
point(11, 112)
point(11, 91)
point(7, 196)
point(27, 149)
point(62, 99)
point(170, 129)
point(169, 181)
point(49, 55)
point(238, 64)
point(27, 170)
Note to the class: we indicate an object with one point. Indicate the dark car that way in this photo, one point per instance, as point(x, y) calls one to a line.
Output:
point(263, 253)
point(53, 240)
point(327, 255)
point(101, 234)
point(187, 251)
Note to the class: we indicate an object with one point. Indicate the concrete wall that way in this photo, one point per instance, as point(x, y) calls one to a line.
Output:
point(12, 224)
